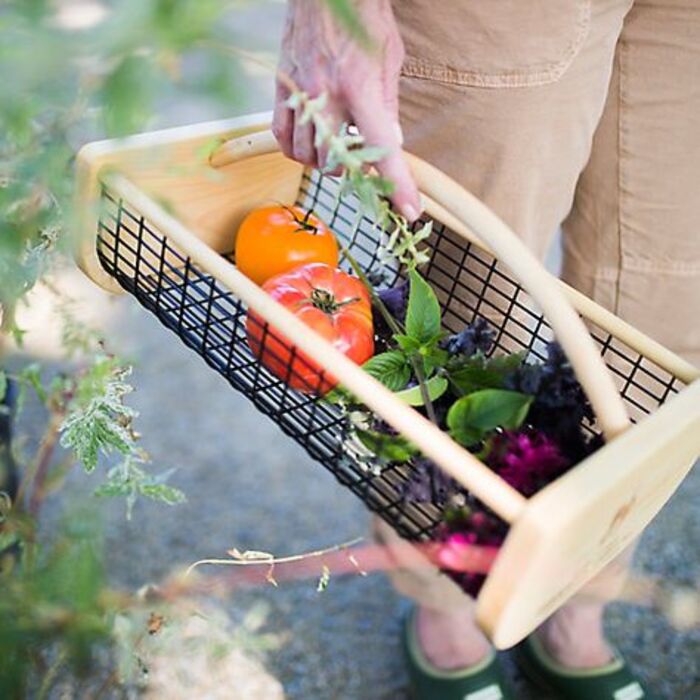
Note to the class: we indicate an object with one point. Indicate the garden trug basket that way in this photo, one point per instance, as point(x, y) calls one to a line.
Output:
point(159, 214)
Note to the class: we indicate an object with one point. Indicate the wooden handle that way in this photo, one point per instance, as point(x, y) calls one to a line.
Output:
point(570, 331)
point(433, 442)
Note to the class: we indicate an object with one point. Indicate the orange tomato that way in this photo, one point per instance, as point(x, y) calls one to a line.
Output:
point(272, 240)
point(334, 304)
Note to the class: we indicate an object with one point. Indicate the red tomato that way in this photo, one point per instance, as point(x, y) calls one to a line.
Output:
point(276, 239)
point(336, 305)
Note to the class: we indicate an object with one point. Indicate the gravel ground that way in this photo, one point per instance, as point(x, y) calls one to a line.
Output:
point(250, 486)
point(344, 643)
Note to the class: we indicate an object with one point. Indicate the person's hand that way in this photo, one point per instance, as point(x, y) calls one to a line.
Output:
point(361, 84)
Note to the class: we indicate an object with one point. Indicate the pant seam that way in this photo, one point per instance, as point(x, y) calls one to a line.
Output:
point(621, 182)
point(611, 273)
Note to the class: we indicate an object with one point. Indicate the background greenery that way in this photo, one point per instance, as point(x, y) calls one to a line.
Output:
point(73, 71)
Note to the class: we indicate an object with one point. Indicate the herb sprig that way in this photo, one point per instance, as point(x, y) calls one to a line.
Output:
point(348, 152)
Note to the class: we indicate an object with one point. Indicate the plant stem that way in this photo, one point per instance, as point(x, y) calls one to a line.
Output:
point(51, 674)
point(266, 561)
point(45, 454)
point(396, 330)
point(35, 475)
point(430, 409)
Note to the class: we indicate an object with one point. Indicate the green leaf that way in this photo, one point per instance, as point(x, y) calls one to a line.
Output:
point(3, 384)
point(477, 373)
point(473, 416)
point(127, 94)
point(391, 368)
point(129, 480)
point(472, 378)
point(435, 386)
point(163, 493)
point(31, 376)
point(324, 579)
point(93, 430)
point(98, 419)
point(423, 311)
point(393, 448)
point(433, 357)
point(405, 342)
point(114, 489)
point(370, 154)
point(7, 539)
point(423, 232)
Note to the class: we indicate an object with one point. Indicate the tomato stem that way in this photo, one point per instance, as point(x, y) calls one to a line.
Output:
point(304, 224)
point(325, 301)
point(416, 362)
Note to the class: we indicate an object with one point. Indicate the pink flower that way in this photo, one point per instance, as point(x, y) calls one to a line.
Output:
point(467, 546)
point(526, 459)
point(460, 552)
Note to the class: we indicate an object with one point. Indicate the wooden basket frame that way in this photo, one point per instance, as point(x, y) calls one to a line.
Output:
point(559, 538)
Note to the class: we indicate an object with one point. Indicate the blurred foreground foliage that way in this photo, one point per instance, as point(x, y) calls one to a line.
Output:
point(72, 71)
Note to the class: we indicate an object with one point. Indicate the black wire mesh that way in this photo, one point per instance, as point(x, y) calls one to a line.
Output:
point(212, 321)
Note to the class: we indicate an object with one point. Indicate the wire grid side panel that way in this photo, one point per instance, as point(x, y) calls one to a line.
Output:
point(471, 283)
point(212, 321)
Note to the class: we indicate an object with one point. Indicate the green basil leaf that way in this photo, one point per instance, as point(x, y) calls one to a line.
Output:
point(423, 310)
point(467, 436)
point(477, 373)
point(435, 386)
point(471, 378)
point(472, 417)
point(391, 368)
point(505, 363)
point(405, 342)
point(433, 358)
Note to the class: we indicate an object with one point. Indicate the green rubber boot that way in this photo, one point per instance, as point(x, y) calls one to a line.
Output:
point(484, 681)
point(614, 681)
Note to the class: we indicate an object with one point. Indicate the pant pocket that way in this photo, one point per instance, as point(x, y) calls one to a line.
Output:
point(492, 43)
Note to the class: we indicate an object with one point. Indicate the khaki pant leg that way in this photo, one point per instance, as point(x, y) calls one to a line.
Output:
point(632, 239)
point(505, 98)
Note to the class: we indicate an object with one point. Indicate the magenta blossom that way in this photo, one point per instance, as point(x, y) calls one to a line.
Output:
point(461, 551)
point(468, 546)
point(455, 550)
point(526, 459)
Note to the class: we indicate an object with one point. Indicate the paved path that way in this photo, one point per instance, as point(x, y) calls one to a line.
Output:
point(250, 486)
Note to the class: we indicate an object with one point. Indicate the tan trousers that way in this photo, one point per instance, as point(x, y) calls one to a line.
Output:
point(579, 113)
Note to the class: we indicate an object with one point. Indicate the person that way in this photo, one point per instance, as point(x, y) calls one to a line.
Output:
point(583, 114)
